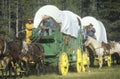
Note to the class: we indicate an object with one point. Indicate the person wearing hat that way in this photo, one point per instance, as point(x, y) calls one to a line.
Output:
point(48, 24)
point(28, 29)
point(90, 31)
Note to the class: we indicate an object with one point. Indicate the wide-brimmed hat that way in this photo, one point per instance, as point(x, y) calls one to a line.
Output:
point(90, 24)
point(45, 17)
point(29, 19)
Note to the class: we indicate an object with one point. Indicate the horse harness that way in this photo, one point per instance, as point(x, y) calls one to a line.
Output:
point(31, 49)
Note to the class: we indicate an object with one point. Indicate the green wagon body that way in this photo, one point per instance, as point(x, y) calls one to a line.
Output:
point(54, 45)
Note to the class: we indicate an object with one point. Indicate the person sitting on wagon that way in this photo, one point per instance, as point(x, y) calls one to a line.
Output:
point(48, 24)
point(90, 31)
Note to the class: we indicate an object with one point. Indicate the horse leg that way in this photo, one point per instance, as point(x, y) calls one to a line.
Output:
point(100, 61)
point(27, 68)
point(10, 66)
point(20, 68)
point(2, 71)
point(37, 68)
point(43, 67)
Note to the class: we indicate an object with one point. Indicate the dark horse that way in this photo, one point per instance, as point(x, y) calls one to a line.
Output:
point(15, 47)
point(28, 53)
point(21, 59)
point(5, 58)
point(33, 54)
point(2, 46)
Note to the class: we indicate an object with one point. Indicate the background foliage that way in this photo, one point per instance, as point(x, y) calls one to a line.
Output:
point(14, 13)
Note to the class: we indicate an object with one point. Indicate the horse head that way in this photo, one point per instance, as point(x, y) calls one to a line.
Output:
point(2, 46)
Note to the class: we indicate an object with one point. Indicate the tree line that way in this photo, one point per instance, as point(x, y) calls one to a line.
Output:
point(14, 13)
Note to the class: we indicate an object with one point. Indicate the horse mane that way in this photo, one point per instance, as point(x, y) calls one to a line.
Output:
point(107, 46)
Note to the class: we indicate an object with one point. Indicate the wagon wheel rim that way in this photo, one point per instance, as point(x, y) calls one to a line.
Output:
point(79, 61)
point(63, 64)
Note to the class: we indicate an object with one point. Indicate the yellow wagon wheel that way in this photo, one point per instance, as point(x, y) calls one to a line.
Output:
point(109, 60)
point(63, 64)
point(79, 61)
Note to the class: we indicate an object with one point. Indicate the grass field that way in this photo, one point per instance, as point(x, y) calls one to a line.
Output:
point(94, 73)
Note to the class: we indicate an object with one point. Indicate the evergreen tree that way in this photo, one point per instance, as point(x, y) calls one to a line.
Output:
point(105, 10)
point(109, 11)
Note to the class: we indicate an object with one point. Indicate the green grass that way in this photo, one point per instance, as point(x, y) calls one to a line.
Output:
point(94, 73)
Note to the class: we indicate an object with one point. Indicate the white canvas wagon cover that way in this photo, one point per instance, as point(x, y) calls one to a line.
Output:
point(69, 20)
point(49, 10)
point(98, 25)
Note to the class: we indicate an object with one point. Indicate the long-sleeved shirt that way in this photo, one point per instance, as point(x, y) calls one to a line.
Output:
point(91, 32)
point(50, 24)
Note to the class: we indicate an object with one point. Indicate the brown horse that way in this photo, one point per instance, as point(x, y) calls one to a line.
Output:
point(2, 64)
point(33, 53)
point(5, 58)
point(2, 47)
point(14, 48)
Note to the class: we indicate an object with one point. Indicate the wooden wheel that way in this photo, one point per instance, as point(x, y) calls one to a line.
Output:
point(63, 64)
point(79, 61)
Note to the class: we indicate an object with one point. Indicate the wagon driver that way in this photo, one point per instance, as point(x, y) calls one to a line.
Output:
point(90, 31)
point(29, 27)
point(48, 24)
